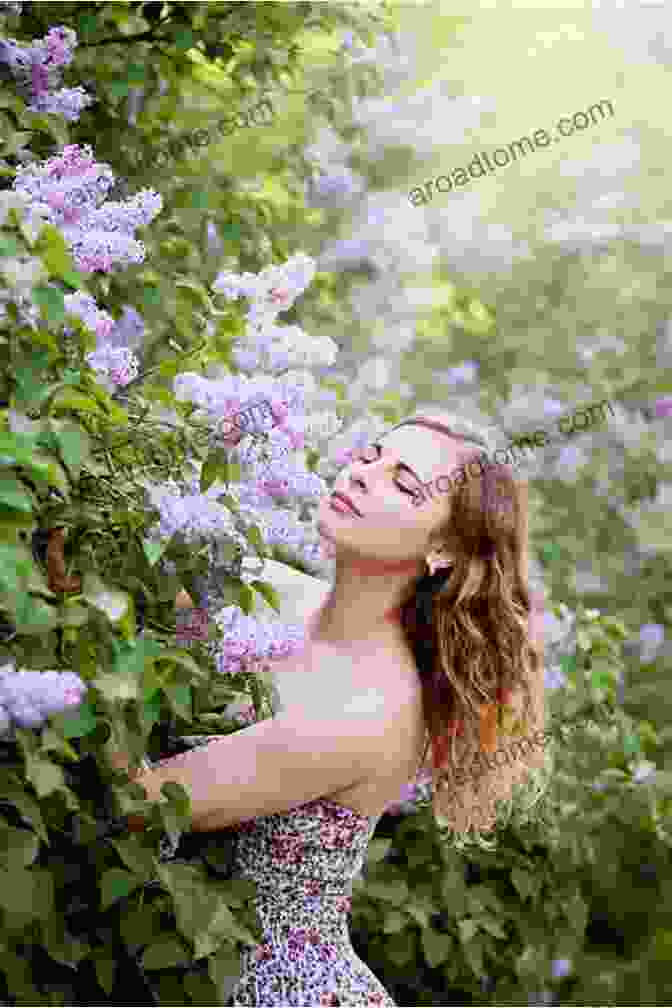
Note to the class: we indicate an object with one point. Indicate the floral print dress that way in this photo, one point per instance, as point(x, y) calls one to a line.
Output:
point(303, 863)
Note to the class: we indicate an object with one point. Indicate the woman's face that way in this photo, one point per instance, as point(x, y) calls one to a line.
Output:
point(385, 484)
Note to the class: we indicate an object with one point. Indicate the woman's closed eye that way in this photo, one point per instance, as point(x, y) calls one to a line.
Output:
point(377, 449)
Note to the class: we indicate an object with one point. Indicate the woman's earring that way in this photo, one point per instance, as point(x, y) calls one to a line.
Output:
point(438, 560)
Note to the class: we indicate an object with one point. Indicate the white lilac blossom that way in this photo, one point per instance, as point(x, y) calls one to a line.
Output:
point(69, 190)
point(28, 697)
point(272, 291)
point(37, 69)
point(277, 348)
point(643, 771)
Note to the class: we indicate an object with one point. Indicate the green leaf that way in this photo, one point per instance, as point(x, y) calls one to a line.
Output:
point(151, 710)
point(87, 24)
point(139, 925)
point(152, 296)
point(568, 665)
point(18, 847)
point(153, 550)
point(185, 661)
point(165, 953)
point(215, 466)
point(394, 922)
point(467, 929)
point(180, 699)
point(135, 856)
point(268, 592)
point(32, 615)
point(9, 247)
point(391, 892)
point(13, 790)
point(378, 849)
point(74, 446)
point(55, 254)
point(436, 947)
point(184, 39)
point(76, 725)
point(136, 73)
point(45, 776)
point(631, 745)
point(119, 88)
point(62, 948)
point(105, 965)
point(200, 989)
point(116, 884)
point(14, 495)
point(51, 302)
point(225, 969)
point(523, 883)
point(231, 231)
point(15, 566)
point(492, 926)
point(26, 894)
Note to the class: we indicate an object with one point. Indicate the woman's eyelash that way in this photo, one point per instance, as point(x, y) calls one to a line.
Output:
point(403, 489)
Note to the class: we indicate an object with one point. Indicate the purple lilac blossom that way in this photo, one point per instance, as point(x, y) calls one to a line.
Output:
point(37, 69)
point(28, 697)
point(69, 190)
point(561, 968)
point(651, 639)
point(128, 331)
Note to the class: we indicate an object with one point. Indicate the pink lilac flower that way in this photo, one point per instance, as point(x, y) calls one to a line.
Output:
point(663, 407)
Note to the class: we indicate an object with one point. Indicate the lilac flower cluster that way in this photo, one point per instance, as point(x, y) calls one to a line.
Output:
point(279, 415)
point(272, 291)
point(38, 68)
point(247, 640)
point(69, 189)
point(28, 697)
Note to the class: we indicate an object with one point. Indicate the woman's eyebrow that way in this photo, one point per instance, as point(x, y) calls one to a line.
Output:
point(401, 465)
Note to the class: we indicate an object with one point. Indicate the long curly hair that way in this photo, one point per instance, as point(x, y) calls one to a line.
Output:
point(477, 642)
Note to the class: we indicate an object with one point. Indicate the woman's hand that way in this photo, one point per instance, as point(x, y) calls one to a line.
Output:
point(120, 761)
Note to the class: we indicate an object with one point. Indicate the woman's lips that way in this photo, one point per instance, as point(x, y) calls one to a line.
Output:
point(336, 504)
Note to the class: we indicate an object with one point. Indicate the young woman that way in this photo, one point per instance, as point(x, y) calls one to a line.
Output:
point(422, 635)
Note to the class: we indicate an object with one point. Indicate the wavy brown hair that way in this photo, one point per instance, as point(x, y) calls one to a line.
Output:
point(479, 644)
